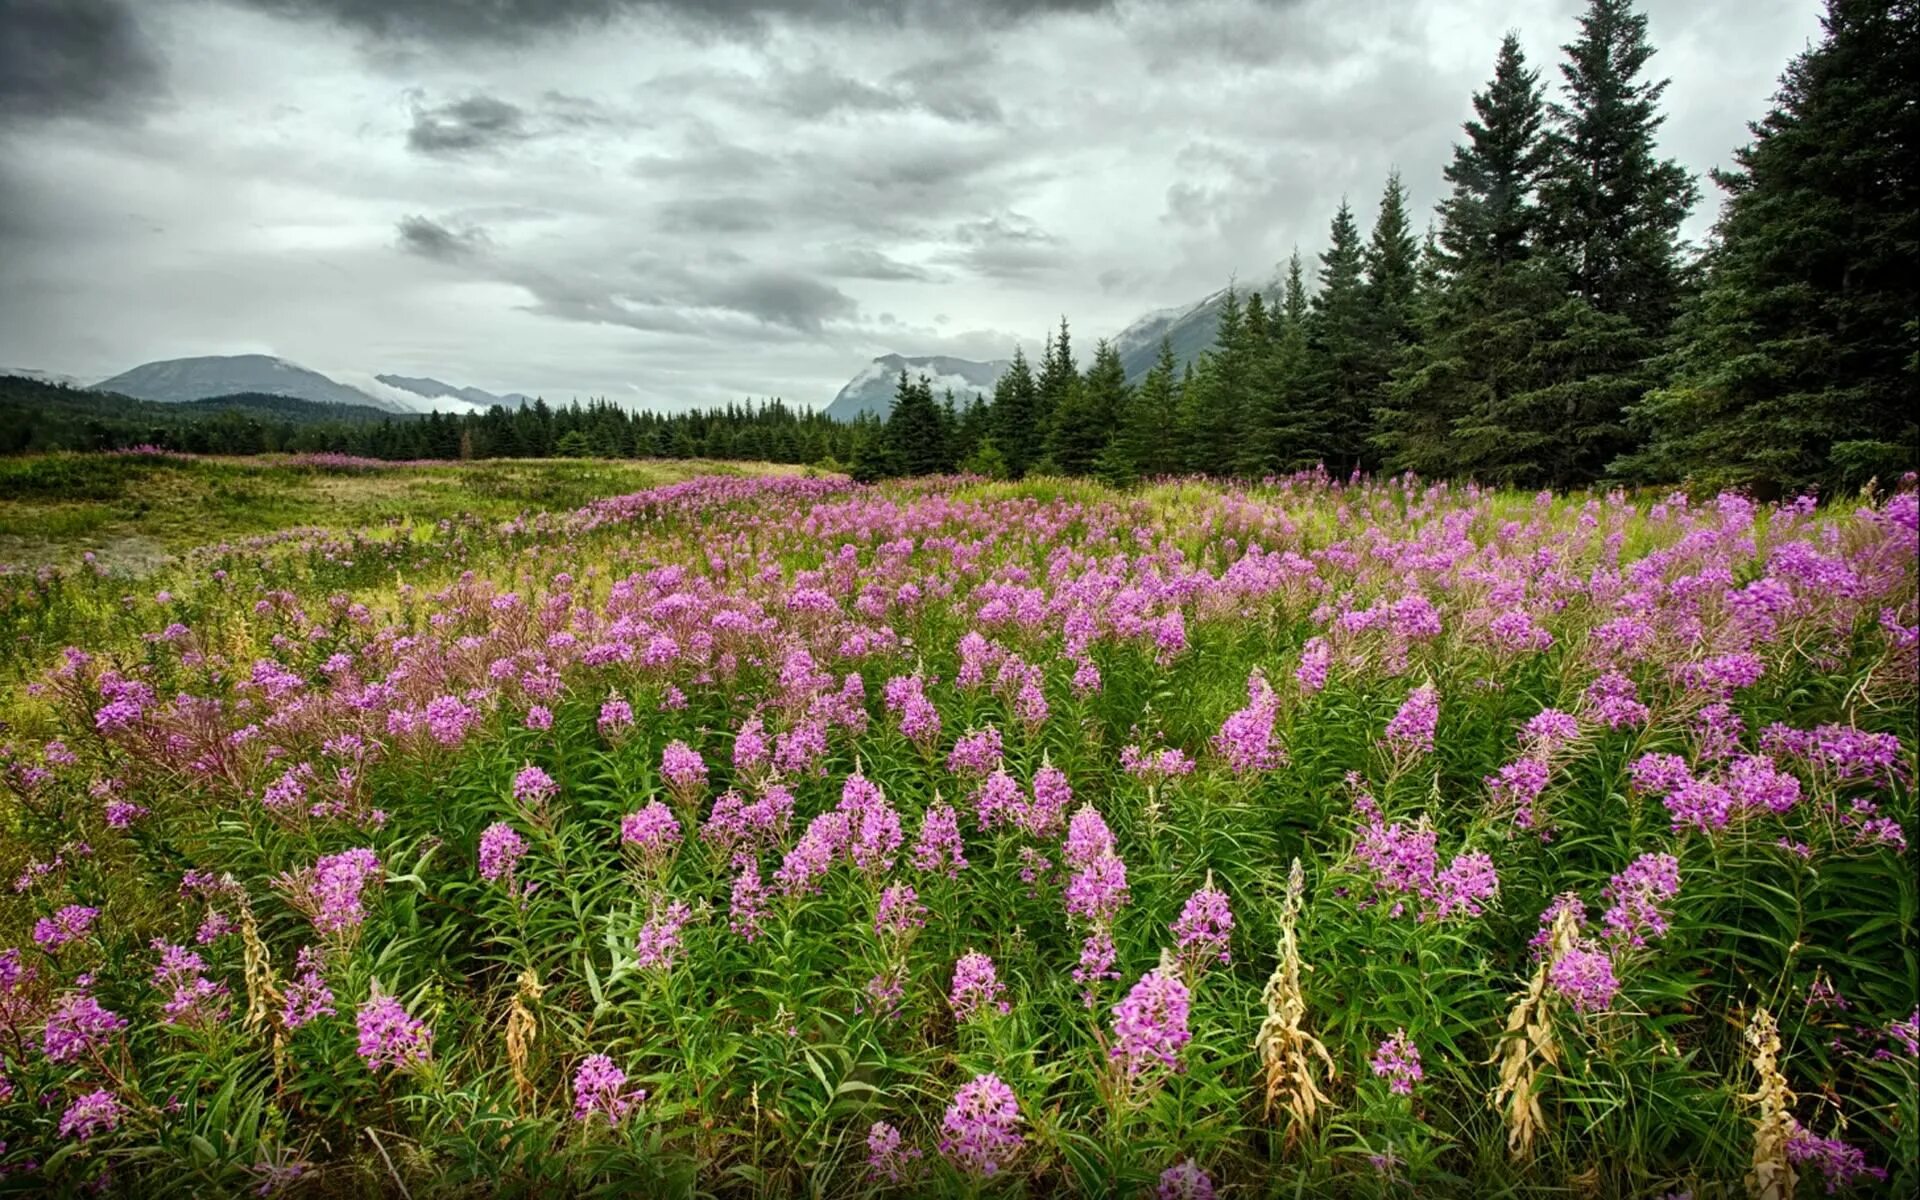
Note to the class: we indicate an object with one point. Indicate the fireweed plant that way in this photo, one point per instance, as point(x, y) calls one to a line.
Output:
point(764, 836)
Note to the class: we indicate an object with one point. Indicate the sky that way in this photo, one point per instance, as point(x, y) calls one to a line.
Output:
point(686, 202)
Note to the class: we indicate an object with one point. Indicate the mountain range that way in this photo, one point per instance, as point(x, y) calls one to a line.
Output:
point(181, 380)
point(1190, 329)
point(176, 380)
point(433, 389)
point(871, 391)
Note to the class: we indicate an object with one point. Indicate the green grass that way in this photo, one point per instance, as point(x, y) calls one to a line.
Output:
point(131, 511)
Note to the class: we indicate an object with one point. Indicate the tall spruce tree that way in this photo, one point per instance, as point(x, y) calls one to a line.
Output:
point(1084, 422)
point(1391, 290)
point(1290, 427)
point(1338, 376)
point(1141, 446)
point(1443, 409)
point(1610, 212)
point(1800, 365)
point(1059, 377)
point(916, 436)
point(1015, 418)
point(1222, 383)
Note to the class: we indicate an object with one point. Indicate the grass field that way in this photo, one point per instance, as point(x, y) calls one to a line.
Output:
point(766, 835)
point(133, 511)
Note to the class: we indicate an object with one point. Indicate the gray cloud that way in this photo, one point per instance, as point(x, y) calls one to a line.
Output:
point(865, 262)
point(1007, 246)
point(476, 123)
point(823, 90)
point(430, 239)
point(716, 214)
point(720, 295)
point(74, 57)
point(515, 20)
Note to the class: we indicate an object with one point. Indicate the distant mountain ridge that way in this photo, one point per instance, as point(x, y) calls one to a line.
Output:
point(176, 380)
point(871, 391)
point(1191, 328)
point(53, 378)
point(434, 389)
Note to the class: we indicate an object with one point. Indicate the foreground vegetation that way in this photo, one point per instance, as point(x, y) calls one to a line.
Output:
point(757, 835)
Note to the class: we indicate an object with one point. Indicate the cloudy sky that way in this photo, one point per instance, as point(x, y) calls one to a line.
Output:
point(689, 201)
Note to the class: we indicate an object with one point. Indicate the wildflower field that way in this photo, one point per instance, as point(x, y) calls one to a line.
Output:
point(773, 835)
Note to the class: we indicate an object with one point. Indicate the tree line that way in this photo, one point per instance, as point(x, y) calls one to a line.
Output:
point(36, 416)
point(1551, 328)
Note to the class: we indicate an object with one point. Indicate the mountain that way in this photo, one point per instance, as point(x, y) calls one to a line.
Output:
point(1190, 327)
point(434, 389)
point(48, 377)
point(180, 379)
point(871, 391)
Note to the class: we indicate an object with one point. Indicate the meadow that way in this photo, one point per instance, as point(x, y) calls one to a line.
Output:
point(761, 835)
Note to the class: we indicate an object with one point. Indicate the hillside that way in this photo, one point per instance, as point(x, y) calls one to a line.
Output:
point(36, 415)
point(179, 380)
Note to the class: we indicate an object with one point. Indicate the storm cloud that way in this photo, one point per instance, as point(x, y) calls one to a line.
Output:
point(63, 57)
point(475, 123)
point(430, 239)
point(680, 202)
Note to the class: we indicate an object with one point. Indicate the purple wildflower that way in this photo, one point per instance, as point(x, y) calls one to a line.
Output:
point(96, 1112)
point(1411, 729)
point(600, 1090)
point(658, 943)
point(533, 787)
point(977, 753)
point(77, 1027)
point(1245, 739)
point(1048, 811)
point(501, 849)
point(683, 769)
point(1202, 931)
point(1584, 975)
point(1088, 838)
point(748, 903)
point(981, 1129)
point(899, 913)
point(976, 988)
point(69, 924)
point(1150, 1025)
point(939, 848)
point(1184, 1180)
point(308, 998)
point(1467, 883)
point(1397, 1060)
point(1634, 898)
point(888, 1156)
point(653, 834)
point(389, 1036)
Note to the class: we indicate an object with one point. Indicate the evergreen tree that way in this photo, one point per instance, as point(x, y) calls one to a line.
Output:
point(1799, 365)
point(1217, 400)
point(1015, 424)
point(1290, 427)
point(1442, 413)
point(1610, 206)
point(1610, 217)
point(1141, 446)
point(1084, 422)
point(1392, 288)
point(1337, 368)
point(1059, 377)
point(916, 435)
